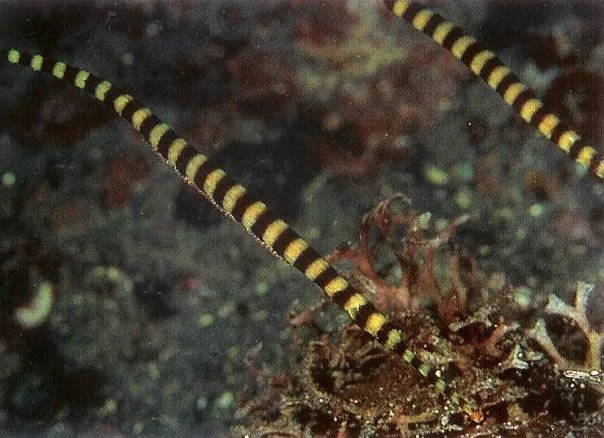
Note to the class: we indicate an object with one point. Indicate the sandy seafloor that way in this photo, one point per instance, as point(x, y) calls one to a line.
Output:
point(323, 109)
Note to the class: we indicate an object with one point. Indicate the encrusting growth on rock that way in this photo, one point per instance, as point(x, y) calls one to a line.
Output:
point(470, 326)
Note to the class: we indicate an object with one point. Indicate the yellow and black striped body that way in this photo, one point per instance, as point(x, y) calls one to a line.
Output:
point(484, 64)
point(233, 200)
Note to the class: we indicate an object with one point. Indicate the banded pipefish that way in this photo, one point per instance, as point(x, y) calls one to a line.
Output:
point(486, 65)
point(234, 201)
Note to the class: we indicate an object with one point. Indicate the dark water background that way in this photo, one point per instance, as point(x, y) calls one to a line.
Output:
point(321, 108)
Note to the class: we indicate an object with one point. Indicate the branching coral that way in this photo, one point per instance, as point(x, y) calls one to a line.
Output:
point(577, 315)
point(430, 269)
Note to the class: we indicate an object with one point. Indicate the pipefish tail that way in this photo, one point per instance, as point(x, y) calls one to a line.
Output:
point(234, 201)
point(486, 65)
